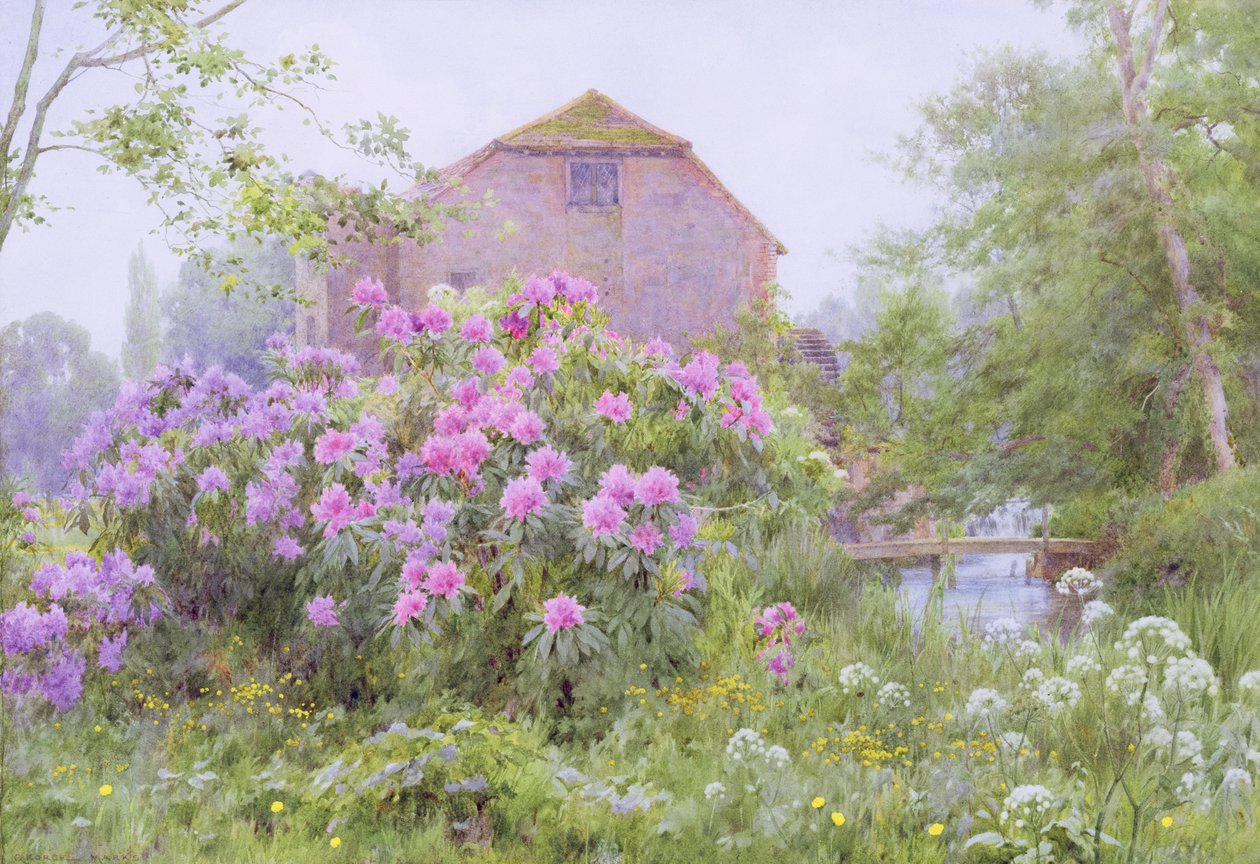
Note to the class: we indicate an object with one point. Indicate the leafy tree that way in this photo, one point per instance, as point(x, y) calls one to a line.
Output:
point(204, 326)
point(192, 135)
point(51, 380)
point(143, 318)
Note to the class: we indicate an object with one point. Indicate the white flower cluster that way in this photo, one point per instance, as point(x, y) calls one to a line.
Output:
point(1152, 711)
point(1127, 682)
point(1033, 678)
point(1187, 747)
point(1236, 780)
point(1025, 648)
point(746, 745)
point(1190, 677)
point(1094, 611)
point(857, 678)
point(893, 695)
point(984, 702)
point(777, 757)
point(1080, 665)
point(1057, 693)
point(1250, 681)
point(1151, 639)
point(1014, 741)
point(715, 790)
point(1026, 804)
point(1002, 631)
point(1078, 582)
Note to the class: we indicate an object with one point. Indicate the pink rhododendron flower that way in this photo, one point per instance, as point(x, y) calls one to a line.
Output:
point(413, 569)
point(476, 329)
point(332, 445)
point(602, 515)
point(527, 427)
point(683, 411)
point(522, 496)
point(539, 290)
point(395, 324)
point(467, 392)
point(520, 376)
point(471, 449)
point(334, 508)
point(575, 289)
point(369, 292)
point(547, 463)
point(657, 485)
point(645, 538)
point(322, 611)
point(616, 408)
point(543, 360)
point(488, 360)
point(444, 580)
point(700, 376)
point(618, 484)
point(562, 612)
point(387, 385)
point(409, 605)
point(683, 530)
point(435, 319)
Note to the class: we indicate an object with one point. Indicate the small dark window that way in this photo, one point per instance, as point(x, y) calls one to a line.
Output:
point(594, 183)
point(462, 279)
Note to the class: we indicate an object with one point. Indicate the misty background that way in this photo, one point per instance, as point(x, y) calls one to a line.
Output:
point(785, 101)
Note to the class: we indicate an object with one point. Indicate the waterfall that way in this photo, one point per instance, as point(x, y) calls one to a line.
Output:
point(1014, 518)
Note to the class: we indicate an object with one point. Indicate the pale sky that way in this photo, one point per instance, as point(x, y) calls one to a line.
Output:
point(784, 99)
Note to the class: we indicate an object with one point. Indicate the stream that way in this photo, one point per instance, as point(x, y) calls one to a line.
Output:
point(988, 587)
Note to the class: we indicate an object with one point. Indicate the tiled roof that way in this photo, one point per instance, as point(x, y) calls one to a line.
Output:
point(591, 122)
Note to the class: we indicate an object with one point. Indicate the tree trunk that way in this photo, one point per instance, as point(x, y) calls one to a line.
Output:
point(1159, 180)
point(1171, 460)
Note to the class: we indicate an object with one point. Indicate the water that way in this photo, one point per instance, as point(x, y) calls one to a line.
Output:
point(988, 587)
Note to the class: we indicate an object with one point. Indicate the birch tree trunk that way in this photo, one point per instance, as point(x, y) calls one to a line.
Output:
point(1159, 180)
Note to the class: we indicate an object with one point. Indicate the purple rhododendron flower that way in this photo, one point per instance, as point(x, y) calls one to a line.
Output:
point(617, 408)
point(683, 530)
point(287, 548)
point(211, 479)
point(387, 385)
point(332, 445)
point(543, 360)
point(369, 292)
point(63, 683)
point(562, 612)
point(657, 486)
point(109, 653)
point(322, 611)
point(516, 324)
point(522, 496)
point(602, 515)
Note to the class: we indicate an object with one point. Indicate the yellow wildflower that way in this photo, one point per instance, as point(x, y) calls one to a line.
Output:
point(837, 819)
point(277, 806)
point(106, 790)
point(1167, 821)
point(935, 829)
point(334, 842)
point(818, 802)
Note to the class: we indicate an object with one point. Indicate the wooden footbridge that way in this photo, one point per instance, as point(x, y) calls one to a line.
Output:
point(937, 547)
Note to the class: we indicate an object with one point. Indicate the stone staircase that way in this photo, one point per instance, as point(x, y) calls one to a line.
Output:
point(812, 347)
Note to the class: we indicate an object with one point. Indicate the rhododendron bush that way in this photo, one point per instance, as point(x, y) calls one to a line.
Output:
point(517, 462)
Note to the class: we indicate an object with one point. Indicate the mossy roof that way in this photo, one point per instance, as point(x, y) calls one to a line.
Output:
point(592, 122)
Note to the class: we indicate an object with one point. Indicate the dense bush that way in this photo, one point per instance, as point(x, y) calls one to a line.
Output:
point(525, 490)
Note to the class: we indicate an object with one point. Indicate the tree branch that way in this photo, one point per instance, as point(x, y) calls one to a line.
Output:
point(1152, 46)
point(20, 89)
point(137, 53)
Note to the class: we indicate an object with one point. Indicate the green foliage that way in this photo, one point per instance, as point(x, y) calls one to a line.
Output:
point(1207, 534)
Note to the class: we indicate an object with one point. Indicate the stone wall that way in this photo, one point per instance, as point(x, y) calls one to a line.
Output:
point(676, 257)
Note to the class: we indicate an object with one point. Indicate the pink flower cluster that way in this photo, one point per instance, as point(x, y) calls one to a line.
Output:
point(562, 612)
point(779, 625)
